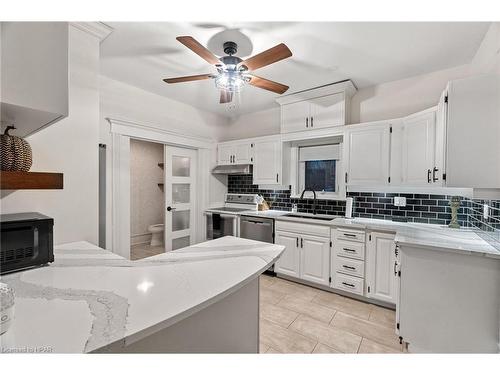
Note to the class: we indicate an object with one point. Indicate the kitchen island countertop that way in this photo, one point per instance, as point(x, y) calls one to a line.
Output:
point(90, 298)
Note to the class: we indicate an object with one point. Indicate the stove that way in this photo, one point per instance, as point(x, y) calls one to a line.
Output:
point(223, 221)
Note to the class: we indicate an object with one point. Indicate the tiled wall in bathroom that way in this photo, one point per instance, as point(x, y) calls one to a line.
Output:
point(420, 208)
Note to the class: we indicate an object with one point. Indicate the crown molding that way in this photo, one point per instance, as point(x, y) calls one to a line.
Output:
point(98, 29)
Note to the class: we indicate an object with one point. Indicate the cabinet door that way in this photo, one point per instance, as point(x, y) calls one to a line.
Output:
point(315, 259)
point(380, 259)
point(225, 153)
point(418, 149)
point(368, 155)
point(327, 111)
point(242, 153)
point(295, 117)
point(440, 140)
point(267, 162)
point(288, 263)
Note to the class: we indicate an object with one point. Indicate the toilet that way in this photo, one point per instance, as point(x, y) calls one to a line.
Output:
point(156, 231)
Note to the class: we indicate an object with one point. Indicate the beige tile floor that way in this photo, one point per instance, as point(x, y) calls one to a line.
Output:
point(296, 318)
point(144, 250)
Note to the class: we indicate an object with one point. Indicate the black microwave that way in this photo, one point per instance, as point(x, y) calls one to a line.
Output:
point(25, 241)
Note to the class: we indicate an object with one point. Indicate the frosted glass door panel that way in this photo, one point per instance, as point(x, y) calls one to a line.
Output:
point(180, 197)
point(180, 166)
point(180, 193)
point(179, 243)
point(180, 220)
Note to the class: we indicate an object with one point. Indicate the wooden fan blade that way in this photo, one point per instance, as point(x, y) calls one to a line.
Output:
point(225, 96)
point(199, 49)
point(267, 57)
point(198, 77)
point(267, 84)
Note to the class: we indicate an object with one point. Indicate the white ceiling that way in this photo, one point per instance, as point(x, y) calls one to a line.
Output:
point(143, 53)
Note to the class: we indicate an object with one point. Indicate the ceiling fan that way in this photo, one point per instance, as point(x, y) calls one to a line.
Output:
point(233, 72)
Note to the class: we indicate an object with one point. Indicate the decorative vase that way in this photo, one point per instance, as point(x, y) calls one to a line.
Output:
point(6, 307)
point(454, 204)
point(15, 152)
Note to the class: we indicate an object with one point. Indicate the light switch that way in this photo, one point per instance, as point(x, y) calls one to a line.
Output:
point(400, 201)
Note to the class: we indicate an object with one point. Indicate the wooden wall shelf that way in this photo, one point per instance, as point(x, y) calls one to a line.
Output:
point(30, 180)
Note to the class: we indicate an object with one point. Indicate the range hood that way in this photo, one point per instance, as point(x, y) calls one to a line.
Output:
point(233, 169)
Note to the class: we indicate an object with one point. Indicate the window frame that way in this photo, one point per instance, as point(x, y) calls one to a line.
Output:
point(299, 180)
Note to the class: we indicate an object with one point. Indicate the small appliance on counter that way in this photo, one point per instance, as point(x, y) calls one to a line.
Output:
point(26, 240)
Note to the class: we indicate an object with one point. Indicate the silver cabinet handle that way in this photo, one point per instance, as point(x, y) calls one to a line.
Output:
point(434, 178)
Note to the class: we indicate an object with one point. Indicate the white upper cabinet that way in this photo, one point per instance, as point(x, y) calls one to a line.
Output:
point(367, 154)
point(295, 116)
point(413, 150)
point(473, 133)
point(267, 162)
point(34, 71)
point(318, 108)
point(239, 152)
point(380, 260)
point(327, 111)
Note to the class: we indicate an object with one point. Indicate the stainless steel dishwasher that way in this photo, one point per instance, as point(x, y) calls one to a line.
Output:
point(257, 228)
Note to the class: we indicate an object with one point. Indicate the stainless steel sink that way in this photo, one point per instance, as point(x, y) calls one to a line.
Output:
point(299, 215)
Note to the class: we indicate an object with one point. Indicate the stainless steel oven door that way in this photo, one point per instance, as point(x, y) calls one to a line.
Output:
point(220, 225)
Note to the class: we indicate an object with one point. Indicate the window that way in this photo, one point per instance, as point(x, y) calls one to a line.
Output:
point(319, 175)
point(318, 169)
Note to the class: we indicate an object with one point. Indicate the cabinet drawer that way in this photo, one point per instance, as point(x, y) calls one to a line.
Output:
point(349, 283)
point(349, 266)
point(298, 227)
point(349, 234)
point(349, 249)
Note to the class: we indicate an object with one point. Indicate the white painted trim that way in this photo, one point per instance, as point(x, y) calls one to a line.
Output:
point(148, 132)
point(120, 198)
point(121, 133)
point(463, 192)
point(98, 29)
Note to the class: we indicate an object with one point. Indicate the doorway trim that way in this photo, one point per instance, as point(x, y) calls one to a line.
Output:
point(119, 192)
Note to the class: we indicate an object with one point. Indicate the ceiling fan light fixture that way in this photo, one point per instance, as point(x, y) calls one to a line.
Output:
point(230, 80)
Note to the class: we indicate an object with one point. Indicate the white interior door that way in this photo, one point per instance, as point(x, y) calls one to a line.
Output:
point(180, 195)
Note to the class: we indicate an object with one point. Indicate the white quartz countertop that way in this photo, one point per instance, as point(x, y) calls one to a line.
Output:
point(438, 237)
point(272, 214)
point(90, 298)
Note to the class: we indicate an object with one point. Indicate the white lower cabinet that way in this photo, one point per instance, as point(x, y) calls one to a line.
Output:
point(380, 261)
point(288, 263)
point(306, 256)
point(348, 260)
point(315, 259)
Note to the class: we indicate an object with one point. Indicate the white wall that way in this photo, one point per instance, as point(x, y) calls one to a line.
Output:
point(487, 58)
point(147, 199)
point(403, 97)
point(256, 124)
point(69, 146)
point(125, 102)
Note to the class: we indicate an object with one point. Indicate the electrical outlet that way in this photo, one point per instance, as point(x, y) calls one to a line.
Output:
point(400, 201)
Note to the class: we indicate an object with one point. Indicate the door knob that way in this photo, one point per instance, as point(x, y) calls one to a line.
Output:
point(170, 208)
